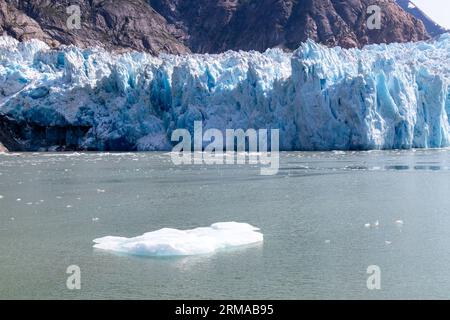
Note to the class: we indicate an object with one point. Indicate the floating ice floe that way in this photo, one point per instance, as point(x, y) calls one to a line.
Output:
point(174, 242)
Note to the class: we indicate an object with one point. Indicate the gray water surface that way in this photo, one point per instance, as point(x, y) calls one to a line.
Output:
point(313, 216)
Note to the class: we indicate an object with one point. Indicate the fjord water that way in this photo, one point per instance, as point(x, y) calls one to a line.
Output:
point(312, 214)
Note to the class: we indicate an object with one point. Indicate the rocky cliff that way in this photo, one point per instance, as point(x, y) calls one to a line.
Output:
point(207, 26)
point(112, 24)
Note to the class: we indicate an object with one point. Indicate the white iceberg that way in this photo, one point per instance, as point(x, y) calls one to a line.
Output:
point(174, 242)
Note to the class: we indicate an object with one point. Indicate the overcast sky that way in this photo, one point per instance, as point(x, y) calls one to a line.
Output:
point(439, 10)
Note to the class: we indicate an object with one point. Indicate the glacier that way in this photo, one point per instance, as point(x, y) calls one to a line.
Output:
point(174, 242)
point(380, 97)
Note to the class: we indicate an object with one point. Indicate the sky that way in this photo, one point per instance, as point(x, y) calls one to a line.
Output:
point(438, 10)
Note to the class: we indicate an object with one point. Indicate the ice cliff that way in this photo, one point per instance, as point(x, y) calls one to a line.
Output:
point(379, 97)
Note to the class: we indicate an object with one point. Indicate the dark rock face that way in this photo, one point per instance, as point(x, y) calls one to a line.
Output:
point(432, 27)
point(18, 24)
point(181, 26)
point(219, 25)
point(115, 25)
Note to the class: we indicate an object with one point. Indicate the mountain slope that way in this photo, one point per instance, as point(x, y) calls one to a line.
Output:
point(432, 27)
point(126, 24)
point(207, 26)
point(220, 25)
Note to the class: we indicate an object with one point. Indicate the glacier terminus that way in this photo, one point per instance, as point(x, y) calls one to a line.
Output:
point(380, 97)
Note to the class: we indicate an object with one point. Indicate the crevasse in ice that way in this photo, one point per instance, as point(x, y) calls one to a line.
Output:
point(378, 97)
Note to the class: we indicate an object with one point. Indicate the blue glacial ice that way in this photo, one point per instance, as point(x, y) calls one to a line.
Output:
point(379, 97)
point(174, 242)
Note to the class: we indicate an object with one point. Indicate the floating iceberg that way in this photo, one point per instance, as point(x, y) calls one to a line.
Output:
point(173, 242)
point(378, 97)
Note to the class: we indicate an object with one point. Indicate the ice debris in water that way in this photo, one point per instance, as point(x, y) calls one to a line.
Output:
point(381, 96)
point(174, 242)
point(376, 224)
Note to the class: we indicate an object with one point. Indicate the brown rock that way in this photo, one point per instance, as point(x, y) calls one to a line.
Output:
point(112, 24)
point(179, 26)
point(219, 25)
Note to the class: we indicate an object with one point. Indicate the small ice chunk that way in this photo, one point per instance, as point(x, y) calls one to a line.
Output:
point(399, 223)
point(69, 206)
point(1, 197)
point(174, 242)
point(101, 191)
point(12, 218)
point(95, 219)
point(376, 224)
point(18, 199)
point(388, 242)
point(327, 241)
